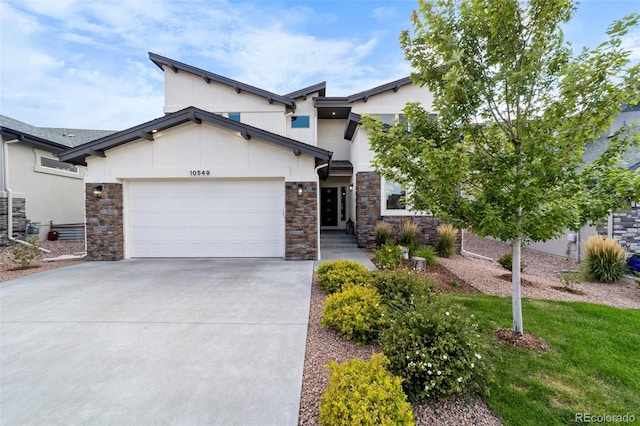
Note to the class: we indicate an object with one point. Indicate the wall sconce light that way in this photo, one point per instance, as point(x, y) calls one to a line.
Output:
point(97, 191)
point(350, 187)
point(299, 190)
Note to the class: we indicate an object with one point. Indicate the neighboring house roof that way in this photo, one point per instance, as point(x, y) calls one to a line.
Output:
point(146, 130)
point(207, 76)
point(54, 139)
point(320, 88)
point(631, 158)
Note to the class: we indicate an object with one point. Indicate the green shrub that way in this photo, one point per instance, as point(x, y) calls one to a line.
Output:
point(24, 254)
point(356, 313)
point(446, 244)
point(429, 255)
point(506, 261)
point(383, 234)
point(409, 235)
point(401, 288)
point(364, 393)
point(435, 349)
point(605, 260)
point(389, 256)
point(333, 275)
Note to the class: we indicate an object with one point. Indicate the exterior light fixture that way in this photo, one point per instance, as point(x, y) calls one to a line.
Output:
point(154, 131)
point(97, 191)
point(299, 190)
point(350, 187)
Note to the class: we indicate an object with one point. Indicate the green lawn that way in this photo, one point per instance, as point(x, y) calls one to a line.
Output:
point(593, 365)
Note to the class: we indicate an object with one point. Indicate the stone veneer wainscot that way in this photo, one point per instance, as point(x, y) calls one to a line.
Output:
point(19, 219)
point(105, 232)
point(626, 228)
point(301, 228)
point(368, 213)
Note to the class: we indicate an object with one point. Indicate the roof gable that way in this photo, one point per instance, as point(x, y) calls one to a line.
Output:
point(146, 130)
point(208, 77)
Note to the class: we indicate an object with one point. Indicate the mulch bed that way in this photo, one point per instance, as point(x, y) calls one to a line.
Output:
point(445, 281)
point(569, 290)
point(525, 282)
point(527, 341)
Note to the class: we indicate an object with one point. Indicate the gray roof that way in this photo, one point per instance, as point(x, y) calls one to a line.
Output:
point(98, 147)
point(320, 88)
point(48, 137)
point(208, 76)
point(631, 158)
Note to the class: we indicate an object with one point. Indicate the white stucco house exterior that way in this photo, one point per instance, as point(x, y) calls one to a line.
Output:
point(232, 170)
point(35, 185)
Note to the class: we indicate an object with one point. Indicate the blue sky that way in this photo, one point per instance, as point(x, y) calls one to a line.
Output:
point(84, 63)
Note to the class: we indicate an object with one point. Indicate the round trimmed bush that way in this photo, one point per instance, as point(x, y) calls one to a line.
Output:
point(356, 313)
point(435, 349)
point(332, 276)
point(364, 393)
point(401, 288)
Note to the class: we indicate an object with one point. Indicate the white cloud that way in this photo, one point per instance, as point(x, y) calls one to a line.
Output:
point(631, 42)
point(383, 12)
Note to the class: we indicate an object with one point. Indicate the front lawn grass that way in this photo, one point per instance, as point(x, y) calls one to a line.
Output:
point(593, 365)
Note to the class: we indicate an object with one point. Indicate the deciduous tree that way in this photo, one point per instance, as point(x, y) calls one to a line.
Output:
point(515, 110)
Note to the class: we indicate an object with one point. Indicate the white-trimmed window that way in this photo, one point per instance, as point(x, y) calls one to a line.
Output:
point(47, 163)
point(394, 200)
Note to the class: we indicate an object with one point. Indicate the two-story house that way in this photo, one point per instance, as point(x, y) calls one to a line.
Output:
point(232, 170)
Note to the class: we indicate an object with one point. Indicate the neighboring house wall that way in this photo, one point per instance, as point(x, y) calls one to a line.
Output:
point(46, 194)
point(626, 228)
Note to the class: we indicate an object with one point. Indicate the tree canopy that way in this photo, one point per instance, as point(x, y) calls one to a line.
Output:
point(515, 110)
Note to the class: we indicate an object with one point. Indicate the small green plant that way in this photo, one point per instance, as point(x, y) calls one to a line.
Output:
point(446, 244)
point(605, 259)
point(454, 283)
point(409, 235)
point(402, 288)
point(356, 313)
point(24, 254)
point(364, 393)
point(428, 254)
point(506, 261)
point(570, 279)
point(389, 256)
point(332, 276)
point(436, 349)
point(383, 234)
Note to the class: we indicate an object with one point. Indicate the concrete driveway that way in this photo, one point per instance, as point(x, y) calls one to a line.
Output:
point(155, 342)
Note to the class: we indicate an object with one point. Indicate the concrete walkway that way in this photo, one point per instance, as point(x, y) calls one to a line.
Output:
point(155, 342)
point(336, 245)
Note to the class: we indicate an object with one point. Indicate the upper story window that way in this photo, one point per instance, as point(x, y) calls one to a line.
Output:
point(389, 119)
point(235, 116)
point(57, 164)
point(300, 122)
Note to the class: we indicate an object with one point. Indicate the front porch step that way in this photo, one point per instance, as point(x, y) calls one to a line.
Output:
point(337, 239)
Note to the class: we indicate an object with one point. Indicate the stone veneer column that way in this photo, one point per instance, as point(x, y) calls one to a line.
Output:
point(626, 228)
point(19, 219)
point(301, 221)
point(368, 209)
point(105, 233)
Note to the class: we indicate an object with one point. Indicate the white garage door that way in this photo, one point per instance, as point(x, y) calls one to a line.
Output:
point(206, 218)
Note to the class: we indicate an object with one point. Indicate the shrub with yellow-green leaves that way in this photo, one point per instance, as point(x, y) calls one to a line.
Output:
point(332, 276)
point(364, 393)
point(356, 312)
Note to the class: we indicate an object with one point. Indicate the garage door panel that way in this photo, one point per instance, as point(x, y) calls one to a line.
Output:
point(233, 218)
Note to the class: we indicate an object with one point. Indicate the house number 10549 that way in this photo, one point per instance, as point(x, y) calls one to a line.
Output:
point(199, 172)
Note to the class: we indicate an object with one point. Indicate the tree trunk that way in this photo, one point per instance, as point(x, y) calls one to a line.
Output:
point(516, 299)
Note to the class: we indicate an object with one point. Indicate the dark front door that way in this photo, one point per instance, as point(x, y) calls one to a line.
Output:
point(329, 206)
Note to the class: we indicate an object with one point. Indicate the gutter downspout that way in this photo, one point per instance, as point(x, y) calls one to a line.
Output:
point(318, 204)
point(10, 197)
